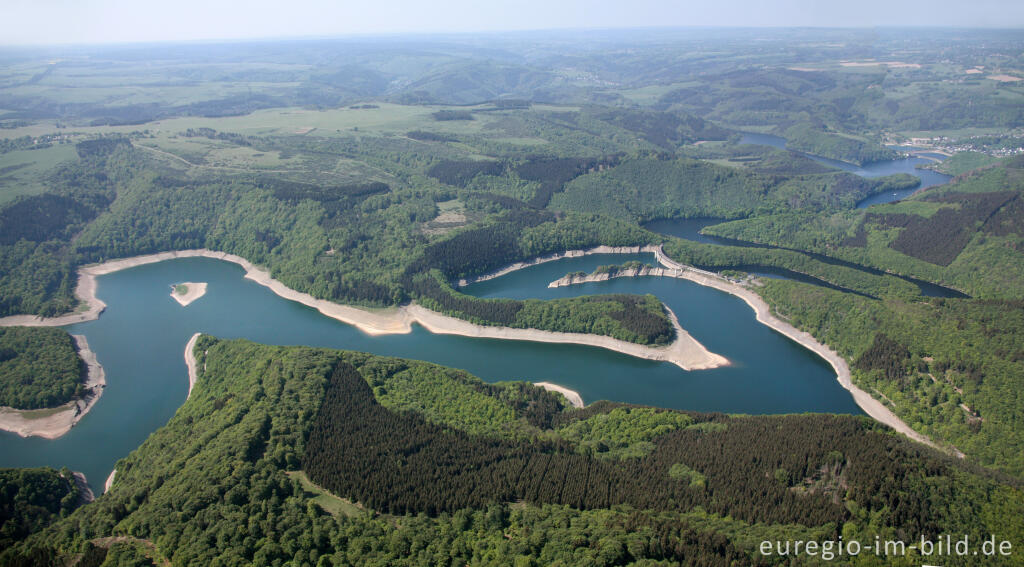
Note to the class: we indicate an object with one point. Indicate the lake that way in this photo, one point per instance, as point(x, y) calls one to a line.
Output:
point(909, 165)
point(140, 341)
point(689, 229)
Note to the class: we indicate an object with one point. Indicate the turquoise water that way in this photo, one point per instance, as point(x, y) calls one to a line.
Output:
point(140, 341)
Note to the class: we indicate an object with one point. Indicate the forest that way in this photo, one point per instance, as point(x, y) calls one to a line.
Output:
point(806, 138)
point(667, 187)
point(951, 366)
point(380, 173)
point(188, 493)
point(966, 234)
point(630, 318)
point(31, 499)
point(360, 241)
point(39, 367)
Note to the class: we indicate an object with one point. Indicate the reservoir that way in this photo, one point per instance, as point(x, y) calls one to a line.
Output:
point(689, 229)
point(909, 165)
point(140, 341)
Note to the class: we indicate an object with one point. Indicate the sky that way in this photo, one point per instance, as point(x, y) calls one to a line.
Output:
point(35, 22)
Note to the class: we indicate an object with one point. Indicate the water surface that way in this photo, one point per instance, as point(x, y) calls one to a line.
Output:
point(909, 165)
point(689, 229)
point(140, 341)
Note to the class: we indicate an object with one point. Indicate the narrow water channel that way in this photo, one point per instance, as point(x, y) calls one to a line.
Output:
point(140, 340)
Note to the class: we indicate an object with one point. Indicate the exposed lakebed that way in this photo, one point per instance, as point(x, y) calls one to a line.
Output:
point(141, 337)
point(690, 229)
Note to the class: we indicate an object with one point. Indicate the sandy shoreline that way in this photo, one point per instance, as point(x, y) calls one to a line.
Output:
point(685, 352)
point(626, 273)
point(109, 482)
point(194, 290)
point(670, 268)
point(874, 408)
point(54, 422)
point(689, 355)
point(190, 362)
point(557, 256)
point(572, 396)
point(85, 291)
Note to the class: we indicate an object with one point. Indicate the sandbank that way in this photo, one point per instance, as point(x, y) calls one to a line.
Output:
point(399, 320)
point(53, 422)
point(193, 291)
point(190, 362)
point(552, 257)
point(572, 396)
point(874, 408)
point(109, 482)
point(684, 352)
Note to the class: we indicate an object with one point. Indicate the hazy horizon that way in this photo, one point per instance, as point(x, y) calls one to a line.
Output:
point(97, 22)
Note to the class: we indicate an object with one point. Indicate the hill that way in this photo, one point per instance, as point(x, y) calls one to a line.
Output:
point(215, 485)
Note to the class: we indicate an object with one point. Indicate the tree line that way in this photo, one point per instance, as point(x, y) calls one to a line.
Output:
point(213, 484)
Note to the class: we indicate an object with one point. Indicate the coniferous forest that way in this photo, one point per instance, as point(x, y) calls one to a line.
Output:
point(381, 172)
point(221, 483)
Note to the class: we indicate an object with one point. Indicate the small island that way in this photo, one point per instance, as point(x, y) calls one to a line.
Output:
point(187, 292)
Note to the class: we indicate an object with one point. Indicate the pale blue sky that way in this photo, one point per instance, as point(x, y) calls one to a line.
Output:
point(107, 21)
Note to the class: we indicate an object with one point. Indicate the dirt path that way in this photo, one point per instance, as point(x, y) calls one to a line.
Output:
point(212, 167)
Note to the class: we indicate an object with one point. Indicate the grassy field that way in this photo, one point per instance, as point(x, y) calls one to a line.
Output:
point(330, 503)
point(387, 119)
point(922, 208)
point(217, 156)
point(22, 172)
point(953, 133)
point(727, 162)
point(650, 94)
point(215, 153)
point(962, 162)
point(124, 83)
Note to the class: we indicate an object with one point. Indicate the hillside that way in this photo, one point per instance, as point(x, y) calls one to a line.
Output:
point(39, 368)
point(646, 189)
point(966, 234)
point(379, 172)
point(31, 499)
point(216, 484)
